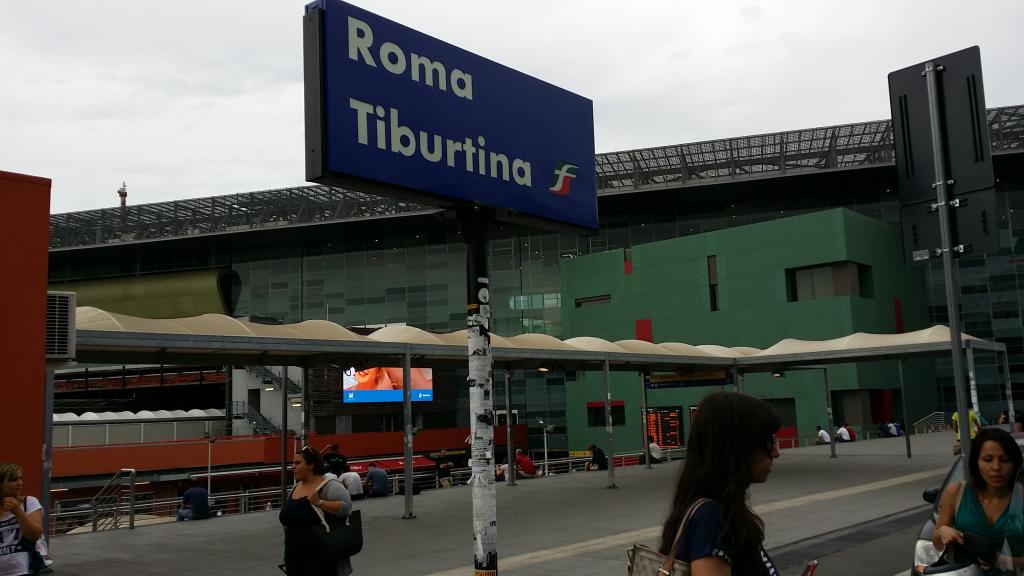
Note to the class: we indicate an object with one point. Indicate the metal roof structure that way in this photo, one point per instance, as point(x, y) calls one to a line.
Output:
point(815, 150)
point(106, 336)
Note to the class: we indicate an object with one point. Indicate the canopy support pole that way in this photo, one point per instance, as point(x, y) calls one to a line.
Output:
point(284, 434)
point(737, 378)
point(407, 419)
point(510, 470)
point(646, 445)
point(903, 401)
point(1009, 390)
point(608, 426)
point(828, 407)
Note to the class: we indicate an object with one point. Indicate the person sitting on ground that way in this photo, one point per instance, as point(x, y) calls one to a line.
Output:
point(525, 467)
point(195, 502)
point(853, 433)
point(843, 434)
point(335, 460)
point(598, 461)
point(893, 430)
point(351, 481)
point(656, 454)
point(823, 437)
point(377, 484)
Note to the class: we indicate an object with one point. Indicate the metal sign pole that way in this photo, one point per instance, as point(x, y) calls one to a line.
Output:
point(284, 434)
point(476, 225)
point(1009, 391)
point(931, 73)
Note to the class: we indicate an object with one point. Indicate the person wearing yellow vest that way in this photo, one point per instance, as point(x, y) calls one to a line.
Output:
point(975, 426)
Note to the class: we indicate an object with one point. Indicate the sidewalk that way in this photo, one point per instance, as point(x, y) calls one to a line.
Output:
point(568, 524)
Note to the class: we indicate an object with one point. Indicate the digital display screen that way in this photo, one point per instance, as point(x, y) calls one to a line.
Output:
point(385, 385)
point(664, 425)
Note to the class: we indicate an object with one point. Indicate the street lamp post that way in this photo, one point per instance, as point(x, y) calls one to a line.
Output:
point(210, 439)
point(545, 430)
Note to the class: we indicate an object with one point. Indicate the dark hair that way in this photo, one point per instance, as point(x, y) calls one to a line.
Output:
point(726, 433)
point(1005, 441)
point(650, 438)
point(314, 460)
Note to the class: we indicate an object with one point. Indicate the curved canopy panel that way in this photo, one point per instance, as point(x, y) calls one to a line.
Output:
point(461, 338)
point(403, 334)
point(213, 412)
point(591, 344)
point(89, 416)
point(211, 324)
point(65, 417)
point(539, 342)
point(126, 415)
point(681, 349)
point(642, 347)
point(197, 412)
point(720, 351)
point(87, 318)
point(324, 330)
point(747, 350)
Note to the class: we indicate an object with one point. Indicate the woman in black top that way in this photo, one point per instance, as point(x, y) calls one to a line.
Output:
point(301, 558)
point(732, 445)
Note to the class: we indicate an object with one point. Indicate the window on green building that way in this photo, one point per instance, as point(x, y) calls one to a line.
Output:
point(829, 281)
point(595, 415)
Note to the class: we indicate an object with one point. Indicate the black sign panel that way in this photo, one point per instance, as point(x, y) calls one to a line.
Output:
point(965, 142)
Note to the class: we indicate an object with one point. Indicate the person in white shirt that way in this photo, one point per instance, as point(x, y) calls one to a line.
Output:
point(21, 524)
point(353, 483)
point(823, 437)
point(842, 435)
point(656, 453)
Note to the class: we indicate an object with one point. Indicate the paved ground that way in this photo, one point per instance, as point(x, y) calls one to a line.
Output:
point(568, 524)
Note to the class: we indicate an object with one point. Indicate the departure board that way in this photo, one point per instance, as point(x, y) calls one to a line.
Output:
point(665, 425)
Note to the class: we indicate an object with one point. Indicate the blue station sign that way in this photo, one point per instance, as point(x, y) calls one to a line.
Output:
point(394, 111)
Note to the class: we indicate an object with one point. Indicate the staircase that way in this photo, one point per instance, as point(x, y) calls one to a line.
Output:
point(106, 506)
point(934, 422)
point(266, 374)
point(260, 423)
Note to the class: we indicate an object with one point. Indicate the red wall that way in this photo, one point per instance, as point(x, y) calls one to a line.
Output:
point(24, 236)
point(251, 450)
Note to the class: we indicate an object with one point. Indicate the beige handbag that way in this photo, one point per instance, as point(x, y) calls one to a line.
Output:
point(644, 561)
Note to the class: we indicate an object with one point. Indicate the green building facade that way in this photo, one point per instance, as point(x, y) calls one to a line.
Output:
point(815, 276)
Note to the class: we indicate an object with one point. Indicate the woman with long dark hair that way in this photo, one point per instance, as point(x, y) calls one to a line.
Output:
point(298, 515)
point(732, 445)
point(981, 505)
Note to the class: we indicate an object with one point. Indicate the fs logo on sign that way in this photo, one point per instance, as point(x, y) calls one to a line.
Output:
point(562, 179)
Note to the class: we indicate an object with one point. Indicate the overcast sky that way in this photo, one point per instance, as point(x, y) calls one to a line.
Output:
point(189, 99)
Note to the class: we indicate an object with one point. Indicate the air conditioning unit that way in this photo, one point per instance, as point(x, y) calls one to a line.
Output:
point(60, 325)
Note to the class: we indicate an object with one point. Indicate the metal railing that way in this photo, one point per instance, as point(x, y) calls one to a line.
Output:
point(267, 374)
point(105, 508)
point(116, 507)
point(125, 511)
point(934, 422)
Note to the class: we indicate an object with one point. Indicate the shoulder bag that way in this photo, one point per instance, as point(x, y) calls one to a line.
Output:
point(645, 561)
point(339, 537)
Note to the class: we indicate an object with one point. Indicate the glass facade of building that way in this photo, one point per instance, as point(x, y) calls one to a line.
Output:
point(378, 264)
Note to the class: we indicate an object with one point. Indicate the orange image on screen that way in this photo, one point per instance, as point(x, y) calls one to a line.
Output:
point(391, 379)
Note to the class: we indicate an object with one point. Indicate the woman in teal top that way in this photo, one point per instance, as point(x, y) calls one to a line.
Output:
point(985, 498)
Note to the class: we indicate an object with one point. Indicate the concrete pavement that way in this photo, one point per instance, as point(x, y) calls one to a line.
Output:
point(568, 524)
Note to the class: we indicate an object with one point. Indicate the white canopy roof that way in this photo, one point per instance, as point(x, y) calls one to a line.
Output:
point(106, 336)
point(125, 416)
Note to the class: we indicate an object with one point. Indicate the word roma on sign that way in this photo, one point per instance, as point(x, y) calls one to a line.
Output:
point(402, 139)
